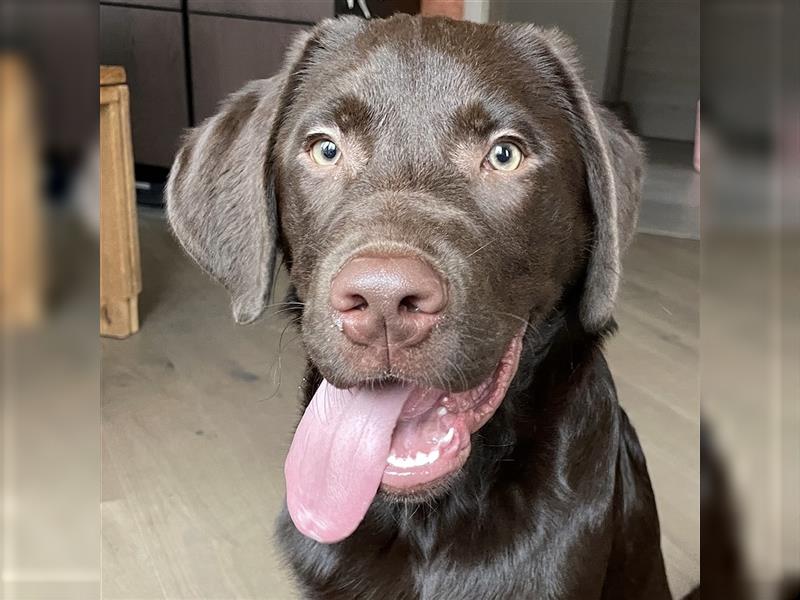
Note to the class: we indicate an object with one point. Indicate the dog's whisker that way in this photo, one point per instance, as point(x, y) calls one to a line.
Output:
point(518, 318)
point(474, 252)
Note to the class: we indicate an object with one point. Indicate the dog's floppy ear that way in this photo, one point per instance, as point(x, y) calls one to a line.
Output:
point(614, 163)
point(218, 201)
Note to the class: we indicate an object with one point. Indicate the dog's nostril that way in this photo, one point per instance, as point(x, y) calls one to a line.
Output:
point(358, 302)
point(410, 304)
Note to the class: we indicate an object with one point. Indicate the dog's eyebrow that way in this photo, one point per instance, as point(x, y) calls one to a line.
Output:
point(473, 119)
point(350, 114)
point(486, 122)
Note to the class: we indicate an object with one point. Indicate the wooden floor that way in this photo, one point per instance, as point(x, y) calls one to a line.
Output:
point(197, 415)
point(671, 194)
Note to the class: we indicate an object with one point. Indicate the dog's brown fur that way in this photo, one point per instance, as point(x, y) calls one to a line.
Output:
point(555, 501)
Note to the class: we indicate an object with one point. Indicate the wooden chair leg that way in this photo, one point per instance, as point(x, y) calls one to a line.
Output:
point(120, 271)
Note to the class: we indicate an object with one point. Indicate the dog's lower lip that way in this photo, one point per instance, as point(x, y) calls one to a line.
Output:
point(424, 490)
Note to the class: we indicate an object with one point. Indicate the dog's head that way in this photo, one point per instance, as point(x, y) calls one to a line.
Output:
point(434, 186)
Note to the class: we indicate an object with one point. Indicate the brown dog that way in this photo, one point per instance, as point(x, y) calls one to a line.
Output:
point(451, 206)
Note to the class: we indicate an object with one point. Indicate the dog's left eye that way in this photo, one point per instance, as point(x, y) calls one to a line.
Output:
point(504, 156)
point(325, 152)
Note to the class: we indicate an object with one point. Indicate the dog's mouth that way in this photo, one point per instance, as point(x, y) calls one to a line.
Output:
point(402, 438)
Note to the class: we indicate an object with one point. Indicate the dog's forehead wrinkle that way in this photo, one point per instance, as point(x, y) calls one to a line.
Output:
point(411, 91)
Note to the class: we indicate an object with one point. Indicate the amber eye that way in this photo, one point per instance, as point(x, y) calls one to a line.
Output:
point(504, 156)
point(325, 152)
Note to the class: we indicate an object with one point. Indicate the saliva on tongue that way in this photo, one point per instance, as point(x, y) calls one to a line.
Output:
point(337, 457)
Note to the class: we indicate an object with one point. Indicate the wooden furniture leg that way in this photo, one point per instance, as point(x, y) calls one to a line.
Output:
point(120, 271)
point(21, 255)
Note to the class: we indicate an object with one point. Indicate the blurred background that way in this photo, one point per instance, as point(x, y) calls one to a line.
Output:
point(196, 413)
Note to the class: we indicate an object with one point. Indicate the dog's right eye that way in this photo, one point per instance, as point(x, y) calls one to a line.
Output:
point(504, 156)
point(324, 152)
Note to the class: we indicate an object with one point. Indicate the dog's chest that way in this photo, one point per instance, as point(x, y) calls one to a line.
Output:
point(410, 569)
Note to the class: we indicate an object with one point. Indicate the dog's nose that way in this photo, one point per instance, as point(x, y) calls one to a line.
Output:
point(394, 300)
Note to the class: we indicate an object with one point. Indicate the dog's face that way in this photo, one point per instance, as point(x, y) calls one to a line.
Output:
point(435, 187)
point(402, 143)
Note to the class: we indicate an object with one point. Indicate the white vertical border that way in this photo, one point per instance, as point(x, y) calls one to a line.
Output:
point(476, 10)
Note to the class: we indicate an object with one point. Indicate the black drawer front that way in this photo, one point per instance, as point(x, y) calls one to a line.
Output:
point(227, 53)
point(307, 11)
point(149, 44)
point(170, 4)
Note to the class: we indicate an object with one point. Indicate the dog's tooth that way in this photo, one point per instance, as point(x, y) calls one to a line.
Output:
point(396, 461)
point(448, 437)
point(420, 459)
point(442, 411)
point(401, 463)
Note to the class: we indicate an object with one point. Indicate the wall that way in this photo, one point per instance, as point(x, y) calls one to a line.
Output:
point(597, 28)
point(661, 77)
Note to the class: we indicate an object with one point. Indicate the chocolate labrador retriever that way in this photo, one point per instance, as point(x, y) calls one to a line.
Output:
point(452, 207)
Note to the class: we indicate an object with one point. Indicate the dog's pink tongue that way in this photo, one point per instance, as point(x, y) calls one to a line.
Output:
point(338, 456)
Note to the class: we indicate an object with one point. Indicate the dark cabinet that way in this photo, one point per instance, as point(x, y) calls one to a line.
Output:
point(308, 11)
point(228, 52)
point(184, 56)
point(169, 4)
point(149, 44)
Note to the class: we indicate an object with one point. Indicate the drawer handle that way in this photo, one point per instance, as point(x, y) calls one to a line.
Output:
point(362, 4)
